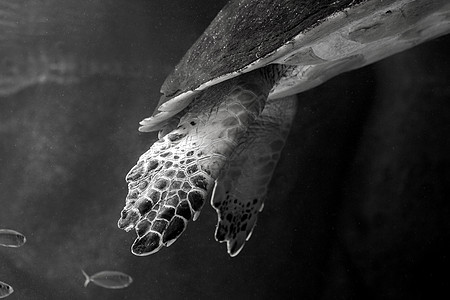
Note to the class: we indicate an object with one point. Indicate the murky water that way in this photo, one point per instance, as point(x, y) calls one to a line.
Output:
point(357, 206)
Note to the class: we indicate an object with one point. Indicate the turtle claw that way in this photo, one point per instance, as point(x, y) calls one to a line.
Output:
point(235, 246)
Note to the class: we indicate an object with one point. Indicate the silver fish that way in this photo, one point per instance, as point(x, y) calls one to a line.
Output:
point(5, 290)
point(109, 279)
point(11, 238)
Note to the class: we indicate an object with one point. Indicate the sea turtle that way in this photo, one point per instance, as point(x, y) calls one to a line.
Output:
point(227, 107)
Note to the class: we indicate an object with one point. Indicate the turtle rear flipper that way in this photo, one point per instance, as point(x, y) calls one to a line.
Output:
point(241, 188)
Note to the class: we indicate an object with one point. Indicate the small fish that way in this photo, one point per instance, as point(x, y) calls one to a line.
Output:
point(11, 238)
point(5, 290)
point(109, 279)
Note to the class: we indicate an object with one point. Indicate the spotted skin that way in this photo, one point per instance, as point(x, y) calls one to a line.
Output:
point(242, 186)
point(173, 179)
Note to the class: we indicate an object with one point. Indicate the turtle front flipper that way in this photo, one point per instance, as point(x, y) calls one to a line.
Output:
point(242, 187)
point(172, 180)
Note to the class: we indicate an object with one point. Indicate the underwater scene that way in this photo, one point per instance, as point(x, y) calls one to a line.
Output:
point(343, 185)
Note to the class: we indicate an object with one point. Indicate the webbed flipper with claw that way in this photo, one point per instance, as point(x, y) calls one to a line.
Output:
point(242, 186)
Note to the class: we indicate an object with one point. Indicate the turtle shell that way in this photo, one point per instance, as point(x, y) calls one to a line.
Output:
point(249, 34)
point(243, 32)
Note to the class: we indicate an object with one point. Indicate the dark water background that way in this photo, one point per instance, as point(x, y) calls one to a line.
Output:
point(358, 207)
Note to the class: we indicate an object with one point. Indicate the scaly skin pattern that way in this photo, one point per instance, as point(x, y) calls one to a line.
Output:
point(242, 185)
point(173, 179)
